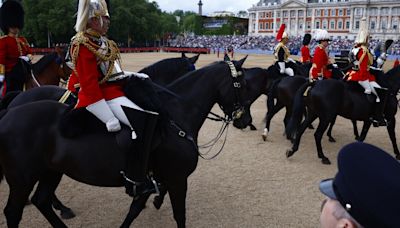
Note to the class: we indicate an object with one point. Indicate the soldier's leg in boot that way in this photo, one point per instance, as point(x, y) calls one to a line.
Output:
point(142, 131)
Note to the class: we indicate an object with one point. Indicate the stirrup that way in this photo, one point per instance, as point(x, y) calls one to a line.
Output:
point(136, 189)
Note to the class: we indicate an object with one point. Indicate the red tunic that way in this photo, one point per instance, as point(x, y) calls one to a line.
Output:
point(10, 49)
point(320, 61)
point(366, 59)
point(89, 76)
point(305, 54)
point(396, 63)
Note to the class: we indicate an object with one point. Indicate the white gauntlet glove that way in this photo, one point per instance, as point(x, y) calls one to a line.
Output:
point(141, 75)
point(103, 112)
point(334, 65)
point(282, 67)
point(1, 78)
point(25, 58)
point(291, 60)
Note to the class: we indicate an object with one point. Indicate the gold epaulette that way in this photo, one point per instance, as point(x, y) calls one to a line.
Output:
point(2, 69)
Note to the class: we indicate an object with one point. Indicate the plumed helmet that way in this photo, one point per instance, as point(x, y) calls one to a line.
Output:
point(321, 35)
point(307, 39)
point(88, 9)
point(363, 34)
point(281, 33)
point(11, 15)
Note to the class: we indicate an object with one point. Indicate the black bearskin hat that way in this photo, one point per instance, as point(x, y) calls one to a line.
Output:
point(306, 39)
point(11, 15)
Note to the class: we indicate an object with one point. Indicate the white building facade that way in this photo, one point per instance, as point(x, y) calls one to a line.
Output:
point(340, 17)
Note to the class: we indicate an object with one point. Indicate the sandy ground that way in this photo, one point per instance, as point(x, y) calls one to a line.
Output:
point(251, 183)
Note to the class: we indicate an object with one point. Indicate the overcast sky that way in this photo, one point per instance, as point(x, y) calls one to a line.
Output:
point(209, 6)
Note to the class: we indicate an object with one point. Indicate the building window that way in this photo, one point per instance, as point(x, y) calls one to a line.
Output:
point(358, 11)
point(261, 26)
point(347, 24)
point(326, 13)
point(372, 25)
point(309, 13)
point(278, 14)
point(308, 25)
point(396, 11)
point(333, 12)
point(385, 11)
point(357, 25)
point(332, 25)
point(340, 12)
point(301, 13)
point(317, 24)
point(373, 11)
point(340, 25)
point(272, 25)
point(318, 12)
point(324, 24)
point(292, 13)
point(348, 12)
point(285, 13)
point(301, 22)
point(266, 25)
point(272, 14)
point(384, 23)
point(254, 27)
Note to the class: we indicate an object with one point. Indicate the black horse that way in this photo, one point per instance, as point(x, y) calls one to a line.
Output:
point(41, 154)
point(282, 94)
point(329, 98)
point(162, 72)
point(168, 70)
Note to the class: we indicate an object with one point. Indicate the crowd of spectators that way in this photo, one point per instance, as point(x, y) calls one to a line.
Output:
point(267, 43)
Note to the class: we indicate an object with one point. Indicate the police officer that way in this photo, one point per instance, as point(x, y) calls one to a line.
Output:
point(96, 67)
point(365, 190)
point(319, 68)
point(282, 53)
point(13, 47)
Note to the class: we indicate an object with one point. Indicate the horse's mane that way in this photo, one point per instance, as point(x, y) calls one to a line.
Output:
point(43, 62)
point(166, 65)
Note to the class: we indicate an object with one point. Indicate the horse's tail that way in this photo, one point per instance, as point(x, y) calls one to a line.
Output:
point(298, 109)
point(8, 98)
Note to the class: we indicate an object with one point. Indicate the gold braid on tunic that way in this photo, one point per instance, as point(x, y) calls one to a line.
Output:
point(111, 56)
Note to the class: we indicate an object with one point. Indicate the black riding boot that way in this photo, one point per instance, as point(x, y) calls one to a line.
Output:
point(379, 108)
point(137, 180)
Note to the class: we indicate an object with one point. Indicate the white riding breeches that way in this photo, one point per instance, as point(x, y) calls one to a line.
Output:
point(115, 106)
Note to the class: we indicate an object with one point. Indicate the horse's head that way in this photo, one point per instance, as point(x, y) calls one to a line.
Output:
point(168, 70)
point(391, 79)
point(233, 93)
point(64, 71)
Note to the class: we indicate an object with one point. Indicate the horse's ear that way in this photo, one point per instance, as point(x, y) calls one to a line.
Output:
point(183, 55)
point(194, 59)
point(240, 62)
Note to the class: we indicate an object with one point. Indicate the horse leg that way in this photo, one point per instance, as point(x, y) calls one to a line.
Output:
point(296, 141)
point(322, 126)
point(392, 134)
point(158, 200)
point(329, 133)
point(43, 197)
point(177, 195)
point(16, 202)
point(65, 212)
point(272, 110)
point(136, 207)
point(355, 129)
point(364, 131)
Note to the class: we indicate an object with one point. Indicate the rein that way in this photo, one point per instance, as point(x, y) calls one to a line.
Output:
point(236, 114)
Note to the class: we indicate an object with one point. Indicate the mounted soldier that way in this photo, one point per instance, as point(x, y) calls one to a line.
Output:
point(97, 69)
point(319, 69)
point(282, 53)
point(305, 50)
point(15, 52)
point(360, 73)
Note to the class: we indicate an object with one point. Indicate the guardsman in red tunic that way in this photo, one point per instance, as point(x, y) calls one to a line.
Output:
point(13, 47)
point(320, 59)
point(360, 73)
point(282, 53)
point(96, 67)
point(396, 63)
point(305, 51)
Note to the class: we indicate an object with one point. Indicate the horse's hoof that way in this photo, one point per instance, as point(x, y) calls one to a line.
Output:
point(67, 214)
point(157, 202)
point(331, 139)
point(325, 161)
point(289, 153)
point(264, 137)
